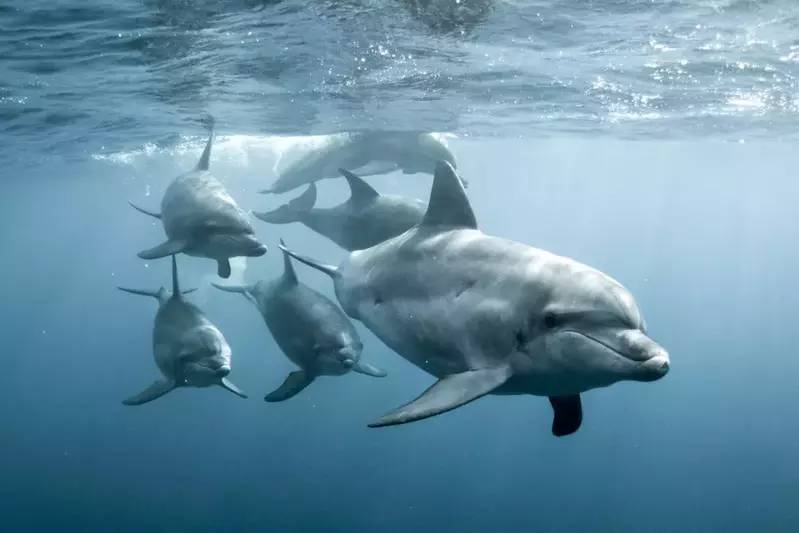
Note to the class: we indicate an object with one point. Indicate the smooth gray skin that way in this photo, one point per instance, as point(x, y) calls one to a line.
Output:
point(308, 327)
point(200, 219)
point(486, 315)
point(365, 219)
point(368, 154)
point(189, 350)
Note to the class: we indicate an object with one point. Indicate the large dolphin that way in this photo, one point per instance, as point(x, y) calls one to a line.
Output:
point(189, 350)
point(201, 219)
point(487, 315)
point(365, 219)
point(367, 153)
point(308, 327)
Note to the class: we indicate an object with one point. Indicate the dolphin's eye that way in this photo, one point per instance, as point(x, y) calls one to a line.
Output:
point(550, 320)
point(521, 340)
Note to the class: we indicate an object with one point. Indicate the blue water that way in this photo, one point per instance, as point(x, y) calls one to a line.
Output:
point(653, 140)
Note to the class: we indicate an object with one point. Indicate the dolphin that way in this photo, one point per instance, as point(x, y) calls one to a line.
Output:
point(189, 350)
point(200, 219)
point(485, 315)
point(308, 327)
point(368, 153)
point(365, 219)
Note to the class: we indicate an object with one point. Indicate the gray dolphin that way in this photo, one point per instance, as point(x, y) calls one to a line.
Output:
point(200, 219)
point(308, 327)
point(487, 315)
point(367, 153)
point(189, 350)
point(365, 219)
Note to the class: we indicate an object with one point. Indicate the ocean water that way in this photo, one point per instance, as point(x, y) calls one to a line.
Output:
point(654, 140)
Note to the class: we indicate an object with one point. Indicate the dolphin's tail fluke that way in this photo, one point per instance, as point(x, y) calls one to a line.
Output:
point(161, 294)
point(155, 294)
point(232, 288)
point(244, 290)
point(292, 211)
point(327, 269)
point(145, 211)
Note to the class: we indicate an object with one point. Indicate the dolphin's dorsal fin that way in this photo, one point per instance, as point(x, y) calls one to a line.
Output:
point(289, 276)
point(360, 191)
point(175, 283)
point(205, 160)
point(449, 205)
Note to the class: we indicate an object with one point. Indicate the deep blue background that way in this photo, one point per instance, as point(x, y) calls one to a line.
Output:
point(701, 233)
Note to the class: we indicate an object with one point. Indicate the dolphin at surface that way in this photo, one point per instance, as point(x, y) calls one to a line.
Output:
point(367, 153)
point(365, 219)
point(201, 219)
point(485, 315)
point(308, 327)
point(189, 350)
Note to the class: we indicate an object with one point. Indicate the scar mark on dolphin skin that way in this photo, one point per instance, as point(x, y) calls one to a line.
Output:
point(466, 286)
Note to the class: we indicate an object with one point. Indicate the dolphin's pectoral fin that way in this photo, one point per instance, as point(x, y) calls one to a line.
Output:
point(568, 414)
point(153, 392)
point(446, 394)
point(223, 268)
point(294, 383)
point(369, 370)
point(164, 249)
point(225, 383)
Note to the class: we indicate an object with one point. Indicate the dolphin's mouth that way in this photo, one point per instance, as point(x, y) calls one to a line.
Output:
point(221, 369)
point(653, 367)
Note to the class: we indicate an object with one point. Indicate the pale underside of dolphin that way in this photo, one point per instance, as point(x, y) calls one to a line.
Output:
point(201, 219)
point(365, 153)
point(365, 219)
point(486, 315)
point(188, 350)
point(311, 331)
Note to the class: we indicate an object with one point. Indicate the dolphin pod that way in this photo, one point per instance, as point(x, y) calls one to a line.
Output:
point(189, 349)
point(481, 314)
point(486, 315)
point(367, 218)
point(200, 219)
point(308, 327)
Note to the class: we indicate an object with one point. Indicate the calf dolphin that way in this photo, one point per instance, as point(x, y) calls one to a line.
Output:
point(487, 315)
point(189, 350)
point(365, 219)
point(308, 327)
point(200, 219)
point(368, 153)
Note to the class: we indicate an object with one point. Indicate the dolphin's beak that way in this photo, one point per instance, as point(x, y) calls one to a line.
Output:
point(259, 250)
point(656, 367)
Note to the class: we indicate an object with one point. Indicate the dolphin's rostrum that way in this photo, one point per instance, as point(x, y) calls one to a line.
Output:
point(311, 330)
point(189, 350)
point(485, 315)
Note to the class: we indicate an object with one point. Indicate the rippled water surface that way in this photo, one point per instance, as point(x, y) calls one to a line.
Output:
point(100, 74)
